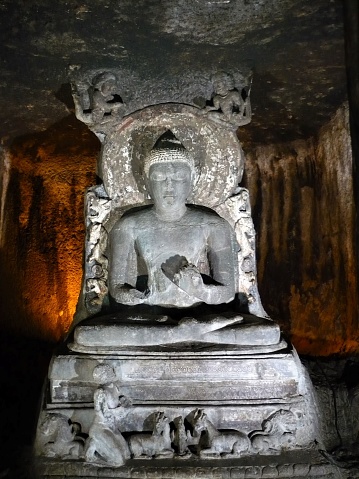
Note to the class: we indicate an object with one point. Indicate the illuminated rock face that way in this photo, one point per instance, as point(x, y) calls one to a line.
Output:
point(42, 234)
point(302, 200)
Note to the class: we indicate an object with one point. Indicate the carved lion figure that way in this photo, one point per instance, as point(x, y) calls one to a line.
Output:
point(278, 431)
point(60, 437)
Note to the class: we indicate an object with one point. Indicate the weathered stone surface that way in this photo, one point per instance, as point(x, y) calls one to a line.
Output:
point(120, 249)
point(149, 379)
point(296, 48)
point(42, 192)
point(103, 97)
point(302, 203)
point(218, 156)
point(290, 467)
point(189, 257)
point(116, 333)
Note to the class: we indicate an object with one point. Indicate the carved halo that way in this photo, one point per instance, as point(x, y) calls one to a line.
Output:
point(219, 158)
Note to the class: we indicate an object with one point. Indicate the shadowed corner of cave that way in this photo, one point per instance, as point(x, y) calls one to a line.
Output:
point(68, 135)
point(24, 364)
point(64, 94)
point(26, 343)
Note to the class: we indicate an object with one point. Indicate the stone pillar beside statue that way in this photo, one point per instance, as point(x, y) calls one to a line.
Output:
point(172, 363)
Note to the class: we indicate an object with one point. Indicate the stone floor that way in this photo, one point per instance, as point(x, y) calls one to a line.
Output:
point(24, 365)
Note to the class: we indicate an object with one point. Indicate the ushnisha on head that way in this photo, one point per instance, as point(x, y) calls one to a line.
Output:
point(168, 149)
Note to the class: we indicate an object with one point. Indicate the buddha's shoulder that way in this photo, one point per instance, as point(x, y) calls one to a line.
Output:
point(202, 215)
point(135, 217)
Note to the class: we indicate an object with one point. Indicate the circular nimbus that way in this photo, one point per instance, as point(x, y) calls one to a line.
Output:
point(217, 153)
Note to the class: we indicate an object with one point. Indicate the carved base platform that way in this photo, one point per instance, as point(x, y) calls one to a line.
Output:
point(289, 465)
point(210, 377)
point(183, 410)
point(129, 332)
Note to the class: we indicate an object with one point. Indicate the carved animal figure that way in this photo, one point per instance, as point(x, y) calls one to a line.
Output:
point(215, 442)
point(278, 431)
point(60, 437)
point(157, 444)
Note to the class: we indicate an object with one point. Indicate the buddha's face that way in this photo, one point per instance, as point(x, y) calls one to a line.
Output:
point(170, 185)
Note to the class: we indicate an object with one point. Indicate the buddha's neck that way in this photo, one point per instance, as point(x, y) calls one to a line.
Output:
point(170, 214)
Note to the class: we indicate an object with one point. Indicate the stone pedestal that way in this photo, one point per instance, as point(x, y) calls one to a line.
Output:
point(176, 371)
point(256, 401)
point(298, 465)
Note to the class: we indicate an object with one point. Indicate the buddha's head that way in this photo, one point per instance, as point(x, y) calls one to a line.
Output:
point(169, 171)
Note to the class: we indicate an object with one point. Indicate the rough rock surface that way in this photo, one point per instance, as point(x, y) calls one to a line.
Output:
point(302, 199)
point(296, 49)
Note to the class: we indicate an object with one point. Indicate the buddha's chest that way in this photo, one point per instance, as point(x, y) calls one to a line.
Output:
point(155, 245)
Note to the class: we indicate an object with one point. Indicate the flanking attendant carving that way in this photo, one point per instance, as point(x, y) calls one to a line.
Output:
point(105, 443)
point(98, 99)
point(229, 104)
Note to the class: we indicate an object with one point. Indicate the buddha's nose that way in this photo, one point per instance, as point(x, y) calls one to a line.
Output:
point(169, 183)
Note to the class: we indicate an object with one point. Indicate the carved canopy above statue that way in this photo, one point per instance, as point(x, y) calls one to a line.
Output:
point(219, 158)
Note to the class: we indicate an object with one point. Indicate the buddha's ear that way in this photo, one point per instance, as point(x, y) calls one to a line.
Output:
point(147, 187)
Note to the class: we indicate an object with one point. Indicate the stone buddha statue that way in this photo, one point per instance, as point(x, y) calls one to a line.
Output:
point(170, 266)
point(187, 252)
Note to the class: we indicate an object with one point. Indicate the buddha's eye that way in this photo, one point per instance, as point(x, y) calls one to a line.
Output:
point(180, 176)
point(158, 176)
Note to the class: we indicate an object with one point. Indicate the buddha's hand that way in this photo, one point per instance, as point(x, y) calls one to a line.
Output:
point(189, 279)
point(128, 295)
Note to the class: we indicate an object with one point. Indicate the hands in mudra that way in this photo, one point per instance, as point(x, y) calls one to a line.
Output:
point(184, 275)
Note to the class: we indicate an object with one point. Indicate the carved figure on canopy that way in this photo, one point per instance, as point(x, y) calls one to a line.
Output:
point(229, 104)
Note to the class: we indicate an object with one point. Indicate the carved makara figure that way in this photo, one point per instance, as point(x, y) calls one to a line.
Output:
point(105, 90)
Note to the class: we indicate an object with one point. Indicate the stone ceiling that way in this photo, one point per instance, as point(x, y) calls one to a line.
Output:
point(295, 48)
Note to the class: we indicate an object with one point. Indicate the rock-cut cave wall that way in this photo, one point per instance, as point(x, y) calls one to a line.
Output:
point(44, 180)
point(302, 199)
point(303, 210)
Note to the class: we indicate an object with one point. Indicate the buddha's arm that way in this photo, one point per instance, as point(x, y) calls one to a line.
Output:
point(121, 254)
point(221, 258)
